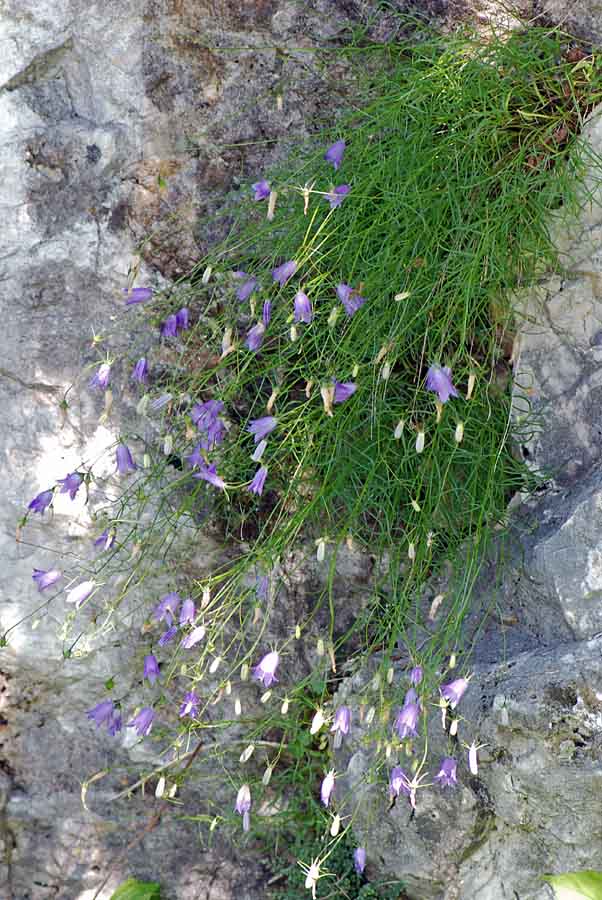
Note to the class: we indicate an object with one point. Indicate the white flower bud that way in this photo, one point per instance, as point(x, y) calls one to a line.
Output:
point(244, 672)
point(321, 550)
point(420, 441)
point(265, 696)
point(385, 372)
point(272, 205)
point(415, 506)
point(390, 675)
point(246, 755)
point(206, 275)
point(320, 647)
point(160, 789)
point(168, 444)
point(472, 378)
point(411, 552)
point(453, 728)
point(370, 715)
point(237, 707)
point(206, 596)
point(335, 826)
point(459, 433)
point(228, 688)
point(403, 296)
point(284, 707)
point(399, 429)
point(334, 315)
point(142, 406)
point(267, 776)
point(294, 333)
point(317, 722)
point(173, 791)
point(215, 665)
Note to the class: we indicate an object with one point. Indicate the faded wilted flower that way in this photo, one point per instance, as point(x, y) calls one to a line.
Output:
point(438, 379)
point(80, 594)
point(335, 153)
point(447, 773)
point(327, 787)
point(265, 671)
point(197, 634)
point(46, 578)
point(282, 273)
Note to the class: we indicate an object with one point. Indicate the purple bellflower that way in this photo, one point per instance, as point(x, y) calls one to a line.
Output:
point(335, 152)
point(151, 668)
point(105, 540)
point(101, 378)
point(416, 675)
point(196, 458)
point(405, 723)
point(169, 328)
point(71, 484)
point(260, 428)
point(46, 578)
point(167, 608)
point(453, 691)
point(447, 773)
point(343, 390)
point(247, 287)
point(188, 612)
point(262, 190)
point(267, 313)
point(197, 634)
point(265, 671)
point(168, 636)
point(41, 502)
point(103, 714)
point(439, 380)
point(243, 806)
point(209, 473)
point(143, 722)
point(160, 402)
point(282, 273)
point(190, 705)
point(124, 460)
point(411, 696)
point(349, 297)
point(205, 414)
point(359, 859)
point(182, 322)
point(256, 485)
point(327, 787)
point(342, 720)
point(337, 195)
point(399, 783)
point(137, 295)
point(303, 310)
point(140, 371)
point(115, 724)
point(80, 594)
point(254, 338)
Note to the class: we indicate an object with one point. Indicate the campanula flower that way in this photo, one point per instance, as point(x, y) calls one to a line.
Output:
point(335, 153)
point(337, 195)
point(259, 451)
point(447, 773)
point(167, 608)
point(256, 485)
point(105, 540)
point(41, 502)
point(405, 723)
point(140, 371)
point(169, 328)
point(188, 612)
point(46, 578)
point(160, 402)
point(137, 295)
point(195, 458)
point(115, 724)
point(101, 378)
point(260, 428)
point(249, 285)
point(439, 380)
point(267, 313)
point(168, 636)
point(262, 190)
point(254, 338)
point(243, 806)
point(265, 671)
point(102, 713)
point(80, 594)
point(124, 460)
point(182, 319)
point(190, 705)
point(327, 787)
point(151, 668)
point(398, 782)
point(343, 390)
point(282, 273)
point(204, 415)
point(453, 691)
point(197, 634)
point(143, 722)
point(209, 473)
point(71, 484)
point(303, 310)
point(416, 675)
point(359, 859)
point(350, 298)
point(342, 720)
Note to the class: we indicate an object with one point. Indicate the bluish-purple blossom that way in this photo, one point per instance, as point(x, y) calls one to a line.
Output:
point(416, 675)
point(167, 608)
point(140, 371)
point(260, 428)
point(405, 723)
point(71, 484)
point(267, 313)
point(447, 775)
point(209, 473)
point(398, 782)
point(45, 578)
point(190, 705)
point(350, 298)
point(151, 668)
point(188, 612)
point(336, 196)
point(302, 306)
point(169, 328)
point(359, 860)
point(105, 540)
point(265, 671)
point(254, 338)
point(101, 377)
point(343, 390)
point(41, 502)
point(124, 460)
point(283, 273)
point(335, 153)
point(438, 379)
point(104, 713)
point(182, 323)
point(256, 485)
point(168, 636)
point(453, 691)
point(249, 285)
point(262, 190)
point(137, 295)
point(143, 722)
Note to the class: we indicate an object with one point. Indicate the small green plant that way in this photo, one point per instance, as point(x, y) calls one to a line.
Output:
point(132, 889)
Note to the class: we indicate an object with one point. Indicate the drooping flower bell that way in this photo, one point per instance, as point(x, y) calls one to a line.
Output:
point(243, 806)
point(327, 787)
point(197, 634)
point(140, 371)
point(416, 675)
point(71, 484)
point(255, 336)
point(453, 691)
point(438, 379)
point(258, 482)
point(447, 775)
point(101, 377)
point(182, 322)
point(336, 196)
point(359, 859)
point(190, 705)
point(350, 298)
point(124, 460)
point(46, 578)
point(209, 473)
point(341, 725)
point(399, 782)
point(137, 295)
point(265, 671)
point(260, 428)
point(41, 502)
point(169, 328)
point(80, 594)
point(261, 189)
point(335, 153)
point(143, 722)
point(104, 713)
point(167, 608)
point(284, 272)
point(343, 390)
point(302, 308)
point(188, 612)
point(249, 285)
point(405, 723)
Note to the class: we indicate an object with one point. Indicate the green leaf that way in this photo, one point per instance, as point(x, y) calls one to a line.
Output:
point(110, 683)
point(585, 885)
point(132, 889)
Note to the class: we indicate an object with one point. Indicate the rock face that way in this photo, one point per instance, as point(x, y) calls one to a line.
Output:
point(124, 118)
